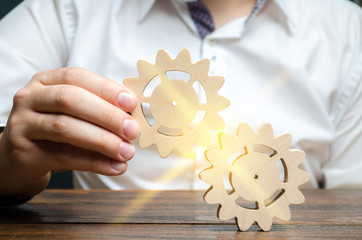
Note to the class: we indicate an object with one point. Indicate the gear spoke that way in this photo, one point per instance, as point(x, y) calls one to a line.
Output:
point(163, 76)
point(203, 107)
point(191, 81)
point(145, 99)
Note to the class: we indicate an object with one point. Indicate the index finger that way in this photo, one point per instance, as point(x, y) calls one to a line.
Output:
point(103, 87)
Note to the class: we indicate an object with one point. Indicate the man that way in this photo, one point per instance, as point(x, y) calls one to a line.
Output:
point(294, 64)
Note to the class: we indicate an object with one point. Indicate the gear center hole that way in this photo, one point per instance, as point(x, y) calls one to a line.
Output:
point(174, 103)
point(256, 177)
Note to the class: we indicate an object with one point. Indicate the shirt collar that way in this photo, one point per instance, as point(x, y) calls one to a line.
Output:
point(282, 8)
point(146, 6)
point(286, 11)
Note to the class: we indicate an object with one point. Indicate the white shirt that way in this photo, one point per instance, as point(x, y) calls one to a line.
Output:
point(295, 64)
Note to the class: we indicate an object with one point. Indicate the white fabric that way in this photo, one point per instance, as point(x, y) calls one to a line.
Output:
point(295, 64)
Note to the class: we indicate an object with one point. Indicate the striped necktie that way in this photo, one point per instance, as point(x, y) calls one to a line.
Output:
point(202, 18)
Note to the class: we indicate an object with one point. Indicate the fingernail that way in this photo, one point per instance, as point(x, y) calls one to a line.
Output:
point(126, 151)
point(130, 128)
point(116, 165)
point(126, 100)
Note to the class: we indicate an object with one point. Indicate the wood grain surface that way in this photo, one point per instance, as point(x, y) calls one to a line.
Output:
point(98, 214)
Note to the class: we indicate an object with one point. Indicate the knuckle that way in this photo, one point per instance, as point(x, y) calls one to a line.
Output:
point(37, 76)
point(59, 126)
point(20, 96)
point(14, 122)
point(64, 97)
point(16, 155)
point(70, 74)
point(17, 148)
point(18, 152)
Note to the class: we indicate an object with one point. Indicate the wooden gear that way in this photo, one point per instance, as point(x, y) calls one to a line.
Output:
point(250, 160)
point(174, 104)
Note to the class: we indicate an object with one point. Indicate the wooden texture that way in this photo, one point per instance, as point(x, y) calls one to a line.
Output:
point(77, 214)
point(174, 104)
point(250, 161)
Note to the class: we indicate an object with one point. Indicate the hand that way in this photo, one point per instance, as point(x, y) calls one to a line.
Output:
point(66, 118)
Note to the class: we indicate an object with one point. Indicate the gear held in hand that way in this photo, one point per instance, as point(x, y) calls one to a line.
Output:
point(173, 113)
point(260, 191)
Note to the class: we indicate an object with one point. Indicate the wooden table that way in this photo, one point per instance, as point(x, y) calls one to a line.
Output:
point(104, 214)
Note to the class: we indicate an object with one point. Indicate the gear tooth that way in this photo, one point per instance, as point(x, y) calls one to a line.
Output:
point(295, 197)
point(147, 71)
point(265, 223)
point(210, 153)
point(286, 215)
point(245, 130)
point(183, 57)
point(134, 84)
point(283, 213)
point(223, 102)
point(229, 144)
point(298, 178)
point(243, 223)
point(284, 140)
point(208, 175)
point(145, 140)
point(164, 150)
point(163, 58)
point(225, 139)
point(200, 70)
point(210, 122)
point(128, 81)
point(217, 122)
point(212, 156)
point(301, 177)
point(266, 130)
point(185, 149)
point(214, 83)
point(219, 103)
point(280, 207)
point(211, 197)
point(296, 156)
point(226, 212)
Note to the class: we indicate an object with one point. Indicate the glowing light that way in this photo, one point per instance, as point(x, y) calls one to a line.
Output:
point(138, 203)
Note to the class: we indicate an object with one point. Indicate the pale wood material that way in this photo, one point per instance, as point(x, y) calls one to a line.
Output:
point(250, 161)
point(174, 104)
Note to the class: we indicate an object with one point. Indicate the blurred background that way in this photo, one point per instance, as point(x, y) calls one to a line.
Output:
point(61, 179)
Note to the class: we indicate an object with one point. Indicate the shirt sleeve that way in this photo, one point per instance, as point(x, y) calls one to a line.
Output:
point(344, 168)
point(33, 38)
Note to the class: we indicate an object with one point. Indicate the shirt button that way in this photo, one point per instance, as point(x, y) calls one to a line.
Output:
point(211, 42)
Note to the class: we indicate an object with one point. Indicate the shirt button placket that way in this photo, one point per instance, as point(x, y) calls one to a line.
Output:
point(209, 52)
